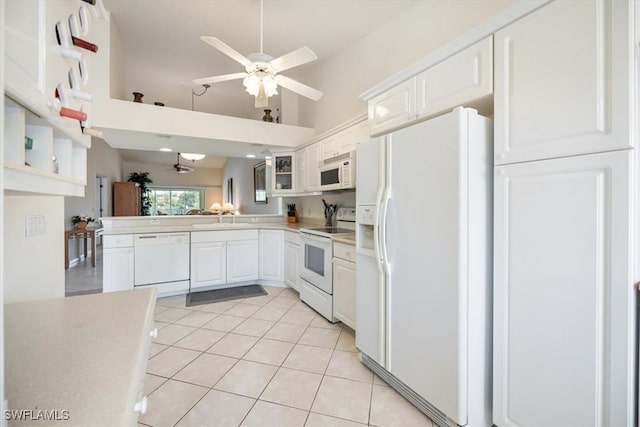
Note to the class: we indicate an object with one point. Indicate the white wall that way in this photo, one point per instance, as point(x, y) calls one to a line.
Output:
point(117, 64)
point(241, 170)
point(102, 160)
point(163, 175)
point(380, 54)
point(33, 266)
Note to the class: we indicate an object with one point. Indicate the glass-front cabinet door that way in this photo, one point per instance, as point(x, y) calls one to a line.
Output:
point(283, 173)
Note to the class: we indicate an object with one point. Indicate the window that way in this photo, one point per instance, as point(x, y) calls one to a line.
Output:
point(175, 201)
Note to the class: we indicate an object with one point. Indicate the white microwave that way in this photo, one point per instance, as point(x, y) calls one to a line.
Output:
point(338, 173)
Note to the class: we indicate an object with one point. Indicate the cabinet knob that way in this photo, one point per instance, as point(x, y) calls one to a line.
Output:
point(141, 406)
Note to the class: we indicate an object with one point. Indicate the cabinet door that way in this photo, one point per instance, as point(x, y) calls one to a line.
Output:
point(563, 81)
point(564, 305)
point(272, 255)
point(242, 260)
point(329, 147)
point(117, 272)
point(313, 167)
point(346, 141)
point(344, 292)
point(208, 264)
point(291, 265)
point(393, 108)
point(460, 80)
point(283, 173)
point(301, 171)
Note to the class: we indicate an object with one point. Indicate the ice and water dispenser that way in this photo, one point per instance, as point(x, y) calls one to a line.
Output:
point(365, 218)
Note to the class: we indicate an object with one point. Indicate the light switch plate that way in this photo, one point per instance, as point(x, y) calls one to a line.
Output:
point(35, 225)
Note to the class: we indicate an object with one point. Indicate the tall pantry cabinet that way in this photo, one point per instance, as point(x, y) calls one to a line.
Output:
point(565, 212)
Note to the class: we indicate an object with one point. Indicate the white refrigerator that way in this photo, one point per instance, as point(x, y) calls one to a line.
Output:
point(423, 269)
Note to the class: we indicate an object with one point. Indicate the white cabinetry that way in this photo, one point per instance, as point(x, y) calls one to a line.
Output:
point(47, 77)
point(291, 259)
point(344, 284)
point(563, 290)
point(563, 81)
point(301, 171)
point(313, 167)
point(272, 255)
point(283, 170)
point(564, 304)
point(242, 260)
point(226, 256)
point(465, 78)
point(208, 264)
point(117, 263)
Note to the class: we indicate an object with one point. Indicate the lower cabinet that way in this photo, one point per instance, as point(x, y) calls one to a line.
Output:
point(292, 259)
point(219, 257)
point(291, 251)
point(242, 260)
point(272, 255)
point(344, 284)
point(564, 304)
point(117, 262)
point(208, 264)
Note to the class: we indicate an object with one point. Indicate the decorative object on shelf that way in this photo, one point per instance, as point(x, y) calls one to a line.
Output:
point(228, 209)
point(292, 213)
point(216, 208)
point(267, 116)
point(55, 164)
point(142, 179)
point(261, 78)
point(329, 210)
point(80, 221)
point(260, 183)
point(137, 96)
point(277, 115)
point(28, 143)
point(159, 104)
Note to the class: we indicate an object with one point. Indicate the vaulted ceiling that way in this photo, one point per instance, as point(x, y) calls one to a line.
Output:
point(163, 52)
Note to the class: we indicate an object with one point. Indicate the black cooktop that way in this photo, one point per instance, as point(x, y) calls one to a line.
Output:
point(331, 230)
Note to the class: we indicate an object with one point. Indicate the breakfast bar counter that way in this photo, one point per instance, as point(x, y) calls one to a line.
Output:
point(78, 361)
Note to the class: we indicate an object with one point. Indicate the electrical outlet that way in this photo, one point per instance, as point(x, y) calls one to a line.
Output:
point(35, 225)
point(155, 221)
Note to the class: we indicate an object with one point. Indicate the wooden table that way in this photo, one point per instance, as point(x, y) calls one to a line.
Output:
point(84, 234)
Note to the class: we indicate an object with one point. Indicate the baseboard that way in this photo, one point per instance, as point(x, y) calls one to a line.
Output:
point(75, 261)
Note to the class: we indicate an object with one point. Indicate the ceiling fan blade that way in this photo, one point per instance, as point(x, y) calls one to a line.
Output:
point(299, 88)
point(293, 59)
point(226, 49)
point(221, 78)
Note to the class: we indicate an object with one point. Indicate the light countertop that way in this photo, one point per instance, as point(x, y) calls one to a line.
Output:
point(349, 239)
point(203, 227)
point(81, 354)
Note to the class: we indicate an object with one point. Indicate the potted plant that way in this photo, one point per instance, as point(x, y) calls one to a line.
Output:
point(80, 221)
point(142, 179)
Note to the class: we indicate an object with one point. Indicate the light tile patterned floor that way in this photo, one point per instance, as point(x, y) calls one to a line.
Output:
point(263, 361)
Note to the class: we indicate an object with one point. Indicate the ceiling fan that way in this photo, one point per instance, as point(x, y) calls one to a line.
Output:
point(181, 169)
point(261, 78)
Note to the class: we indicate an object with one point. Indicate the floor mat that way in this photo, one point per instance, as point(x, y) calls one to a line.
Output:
point(218, 295)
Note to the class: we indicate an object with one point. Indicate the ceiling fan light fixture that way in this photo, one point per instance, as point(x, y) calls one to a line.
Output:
point(252, 84)
point(192, 156)
point(270, 85)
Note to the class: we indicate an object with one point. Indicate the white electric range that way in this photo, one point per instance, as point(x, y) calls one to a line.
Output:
point(316, 273)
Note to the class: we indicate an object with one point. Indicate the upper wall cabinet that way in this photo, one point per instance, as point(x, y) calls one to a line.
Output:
point(465, 78)
point(563, 81)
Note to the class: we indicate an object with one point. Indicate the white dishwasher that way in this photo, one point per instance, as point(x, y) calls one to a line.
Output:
point(161, 258)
